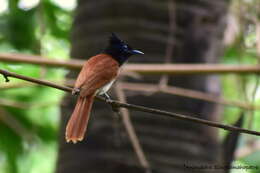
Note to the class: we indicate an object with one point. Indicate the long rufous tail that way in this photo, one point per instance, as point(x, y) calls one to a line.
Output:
point(77, 124)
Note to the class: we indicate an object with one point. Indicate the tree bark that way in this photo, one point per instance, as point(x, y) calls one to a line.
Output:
point(190, 31)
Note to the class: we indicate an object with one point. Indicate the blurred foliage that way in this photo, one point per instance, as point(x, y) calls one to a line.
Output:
point(29, 134)
point(243, 47)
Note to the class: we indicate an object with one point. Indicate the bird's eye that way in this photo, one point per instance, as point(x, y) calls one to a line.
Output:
point(125, 46)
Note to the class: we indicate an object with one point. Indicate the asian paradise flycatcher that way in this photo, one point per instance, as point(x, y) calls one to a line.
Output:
point(96, 77)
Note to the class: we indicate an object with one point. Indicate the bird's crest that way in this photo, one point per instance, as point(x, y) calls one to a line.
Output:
point(114, 39)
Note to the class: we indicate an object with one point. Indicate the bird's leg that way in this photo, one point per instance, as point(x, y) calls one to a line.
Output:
point(110, 101)
point(107, 97)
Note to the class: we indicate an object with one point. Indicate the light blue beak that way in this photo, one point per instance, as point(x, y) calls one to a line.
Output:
point(136, 52)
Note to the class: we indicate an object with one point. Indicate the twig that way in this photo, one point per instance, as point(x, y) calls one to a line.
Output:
point(140, 108)
point(15, 104)
point(188, 69)
point(131, 130)
point(14, 85)
point(7, 74)
point(143, 87)
point(147, 69)
point(38, 60)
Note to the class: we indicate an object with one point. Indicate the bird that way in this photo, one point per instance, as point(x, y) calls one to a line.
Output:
point(95, 78)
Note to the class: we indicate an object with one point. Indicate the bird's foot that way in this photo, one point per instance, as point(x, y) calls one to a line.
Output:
point(107, 98)
point(75, 91)
point(110, 101)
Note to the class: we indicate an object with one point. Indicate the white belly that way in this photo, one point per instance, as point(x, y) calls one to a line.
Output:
point(105, 88)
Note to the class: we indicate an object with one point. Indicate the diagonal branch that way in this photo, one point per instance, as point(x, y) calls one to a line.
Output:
point(193, 94)
point(131, 130)
point(139, 108)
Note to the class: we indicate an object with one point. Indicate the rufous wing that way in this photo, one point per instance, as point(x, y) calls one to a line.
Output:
point(96, 72)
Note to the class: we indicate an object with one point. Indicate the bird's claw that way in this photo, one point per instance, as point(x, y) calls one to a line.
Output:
point(111, 102)
point(75, 91)
point(107, 97)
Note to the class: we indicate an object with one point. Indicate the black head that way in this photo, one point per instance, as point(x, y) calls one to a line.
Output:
point(119, 50)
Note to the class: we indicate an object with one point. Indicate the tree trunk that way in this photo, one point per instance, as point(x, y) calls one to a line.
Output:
point(188, 31)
